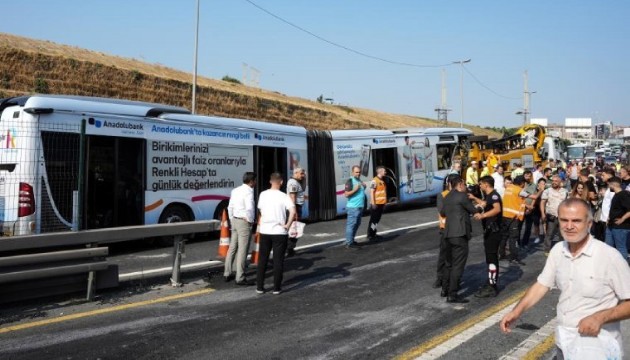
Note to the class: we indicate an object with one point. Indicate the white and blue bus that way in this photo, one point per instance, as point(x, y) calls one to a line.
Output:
point(70, 162)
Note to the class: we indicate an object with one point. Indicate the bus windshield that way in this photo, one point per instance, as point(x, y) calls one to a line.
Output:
point(575, 152)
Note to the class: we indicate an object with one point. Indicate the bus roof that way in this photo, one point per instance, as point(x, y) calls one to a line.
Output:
point(223, 122)
point(448, 131)
point(70, 103)
point(360, 133)
point(434, 131)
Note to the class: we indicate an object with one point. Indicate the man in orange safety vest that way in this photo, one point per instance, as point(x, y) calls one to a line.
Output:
point(378, 199)
point(513, 213)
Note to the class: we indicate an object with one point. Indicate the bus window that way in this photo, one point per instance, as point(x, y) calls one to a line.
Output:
point(444, 155)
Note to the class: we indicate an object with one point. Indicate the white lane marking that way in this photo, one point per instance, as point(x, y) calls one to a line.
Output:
point(465, 335)
point(531, 342)
point(339, 241)
point(138, 275)
point(322, 234)
point(158, 256)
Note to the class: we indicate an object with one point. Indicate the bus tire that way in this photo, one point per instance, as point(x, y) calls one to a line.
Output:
point(173, 214)
point(219, 210)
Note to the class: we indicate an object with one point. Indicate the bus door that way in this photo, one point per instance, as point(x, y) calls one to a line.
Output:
point(114, 182)
point(268, 160)
point(446, 152)
point(388, 158)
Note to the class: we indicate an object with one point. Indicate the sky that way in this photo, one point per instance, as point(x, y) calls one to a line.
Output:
point(383, 55)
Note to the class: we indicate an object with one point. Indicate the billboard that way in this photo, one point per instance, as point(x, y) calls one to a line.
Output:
point(539, 121)
point(626, 132)
point(578, 122)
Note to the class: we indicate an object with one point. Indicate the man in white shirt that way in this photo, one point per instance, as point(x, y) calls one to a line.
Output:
point(551, 199)
point(274, 226)
point(241, 210)
point(499, 185)
point(601, 232)
point(295, 190)
point(537, 173)
point(592, 278)
point(456, 168)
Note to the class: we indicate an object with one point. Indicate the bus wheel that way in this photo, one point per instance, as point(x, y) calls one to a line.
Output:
point(173, 214)
point(218, 212)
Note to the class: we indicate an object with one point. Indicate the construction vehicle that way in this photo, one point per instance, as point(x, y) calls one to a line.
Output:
point(525, 147)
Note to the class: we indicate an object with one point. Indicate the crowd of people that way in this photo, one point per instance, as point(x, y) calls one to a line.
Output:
point(277, 213)
point(580, 213)
point(583, 207)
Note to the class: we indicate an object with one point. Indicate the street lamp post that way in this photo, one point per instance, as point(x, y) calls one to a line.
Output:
point(194, 87)
point(528, 107)
point(461, 89)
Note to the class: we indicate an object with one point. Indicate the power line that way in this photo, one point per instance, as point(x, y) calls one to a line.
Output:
point(339, 45)
point(487, 88)
point(373, 57)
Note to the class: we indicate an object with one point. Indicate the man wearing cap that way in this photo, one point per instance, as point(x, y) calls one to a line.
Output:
point(472, 179)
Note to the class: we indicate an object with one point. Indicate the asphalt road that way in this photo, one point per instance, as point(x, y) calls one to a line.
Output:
point(372, 303)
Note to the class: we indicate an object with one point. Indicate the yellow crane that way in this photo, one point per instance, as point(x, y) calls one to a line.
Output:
point(525, 146)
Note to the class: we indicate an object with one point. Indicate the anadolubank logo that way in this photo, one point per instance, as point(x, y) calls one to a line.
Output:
point(115, 124)
point(384, 141)
point(95, 123)
point(260, 137)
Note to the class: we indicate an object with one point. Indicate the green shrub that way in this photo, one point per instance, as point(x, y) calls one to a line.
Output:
point(231, 80)
point(136, 75)
point(41, 86)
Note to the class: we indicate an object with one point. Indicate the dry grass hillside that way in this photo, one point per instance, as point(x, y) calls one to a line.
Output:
point(35, 66)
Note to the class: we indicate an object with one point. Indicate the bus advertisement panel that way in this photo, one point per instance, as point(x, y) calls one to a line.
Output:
point(203, 171)
point(409, 163)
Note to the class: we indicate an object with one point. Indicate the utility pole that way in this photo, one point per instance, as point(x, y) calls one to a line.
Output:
point(442, 110)
point(245, 78)
point(461, 89)
point(526, 99)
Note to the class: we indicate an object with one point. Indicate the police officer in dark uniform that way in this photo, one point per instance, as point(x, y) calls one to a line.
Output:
point(491, 221)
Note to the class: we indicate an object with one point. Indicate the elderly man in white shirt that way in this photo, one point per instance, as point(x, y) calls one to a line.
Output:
point(593, 280)
point(242, 212)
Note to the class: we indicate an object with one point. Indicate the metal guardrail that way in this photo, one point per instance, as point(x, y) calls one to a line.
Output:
point(105, 236)
point(46, 264)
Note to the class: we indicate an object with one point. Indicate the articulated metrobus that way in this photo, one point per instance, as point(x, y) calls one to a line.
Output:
point(71, 163)
point(416, 160)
